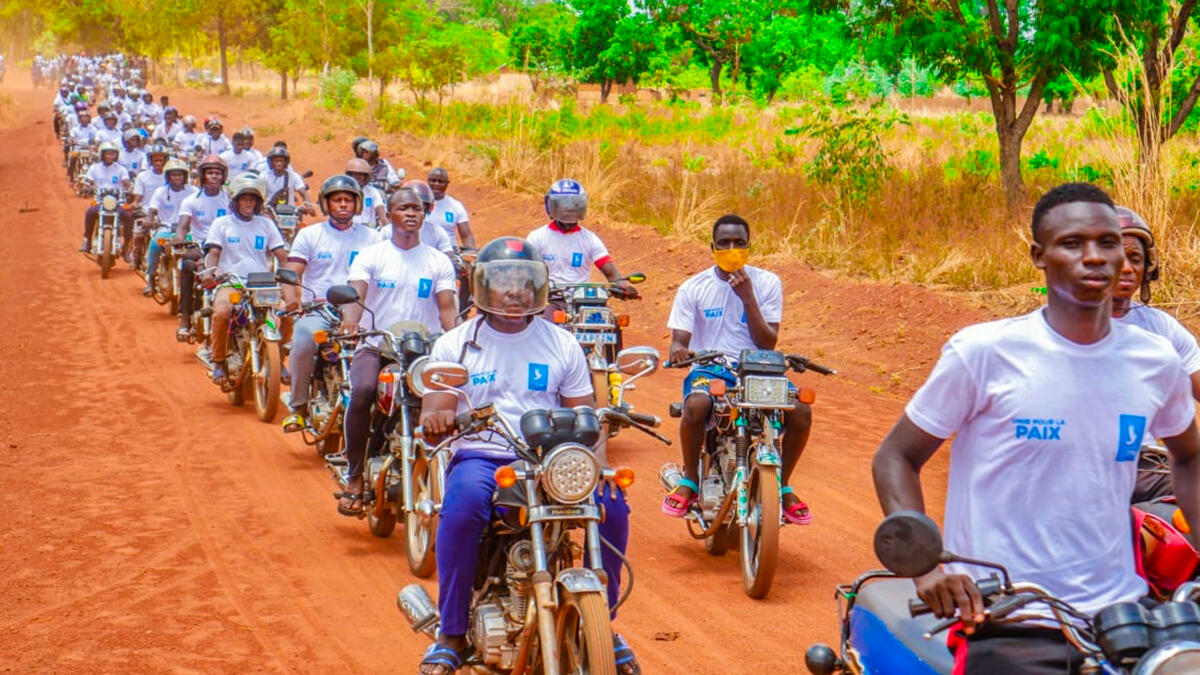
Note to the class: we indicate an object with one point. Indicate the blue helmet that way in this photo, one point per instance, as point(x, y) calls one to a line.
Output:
point(566, 201)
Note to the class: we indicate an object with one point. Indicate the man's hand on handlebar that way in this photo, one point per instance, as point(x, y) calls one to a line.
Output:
point(680, 353)
point(627, 290)
point(946, 593)
point(438, 424)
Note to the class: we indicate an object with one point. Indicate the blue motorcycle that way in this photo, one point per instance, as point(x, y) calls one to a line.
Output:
point(887, 630)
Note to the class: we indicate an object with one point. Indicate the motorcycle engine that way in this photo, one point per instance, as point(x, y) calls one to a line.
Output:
point(321, 409)
point(489, 636)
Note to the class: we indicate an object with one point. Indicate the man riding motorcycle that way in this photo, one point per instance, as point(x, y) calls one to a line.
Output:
point(214, 141)
point(431, 234)
point(401, 279)
point(1048, 411)
point(196, 215)
point(448, 212)
point(170, 128)
point(321, 255)
point(148, 181)
point(107, 173)
point(189, 138)
point(729, 307)
point(516, 363)
point(164, 206)
point(238, 159)
point(374, 209)
point(281, 177)
point(133, 158)
point(381, 170)
point(239, 243)
point(109, 131)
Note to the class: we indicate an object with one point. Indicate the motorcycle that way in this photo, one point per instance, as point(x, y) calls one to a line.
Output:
point(105, 246)
point(139, 247)
point(329, 389)
point(287, 219)
point(537, 606)
point(254, 361)
point(885, 628)
point(79, 160)
point(598, 330)
point(739, 501)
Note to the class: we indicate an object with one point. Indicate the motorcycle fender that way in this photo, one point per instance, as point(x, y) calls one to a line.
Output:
point(579, 580)
point(765, 455)
point(270, 332)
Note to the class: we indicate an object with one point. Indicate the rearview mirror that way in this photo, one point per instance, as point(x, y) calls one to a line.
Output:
point(638, 360)
point(342, 294)
point(285, 276)
point(636, 278)
point(443, 375)
point(307, 174)
point(908, 544)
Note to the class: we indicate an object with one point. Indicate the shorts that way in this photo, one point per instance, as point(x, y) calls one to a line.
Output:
point(698, 378)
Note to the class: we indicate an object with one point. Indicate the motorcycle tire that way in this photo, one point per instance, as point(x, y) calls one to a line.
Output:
point(106, 257)
point(383, 525)
point(583, 632)
point(419, 537)
point(760, 536)
point(267, 382)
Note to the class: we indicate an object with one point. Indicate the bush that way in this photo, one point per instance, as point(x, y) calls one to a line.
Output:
point(850, 156)
point(337, 90)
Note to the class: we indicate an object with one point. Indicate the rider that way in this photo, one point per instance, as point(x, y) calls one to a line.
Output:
point(516, 363)
point(1048, 411)
point(321, 255)
point(256, 157)
point(133, 158)
point(150, 180)
point(728, 307)
point(109, 132)
point(214, 141)
point(400, 280)
point(381, 170)
point(374, 211)
point(568, 248)
point(189, 138)
point(170, 128)
point(430, 234)
point(448, 212)
point(238, 243)
point(283, 179)
point(164, 207)
point(236, 158)
point(149, 109)
point(196, 215)
point(106, 174)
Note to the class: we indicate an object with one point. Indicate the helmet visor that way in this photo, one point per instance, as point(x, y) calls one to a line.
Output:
point(512, 288)
point(567, 208)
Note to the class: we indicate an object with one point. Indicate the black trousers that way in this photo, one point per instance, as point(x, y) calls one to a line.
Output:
point(1002, 650)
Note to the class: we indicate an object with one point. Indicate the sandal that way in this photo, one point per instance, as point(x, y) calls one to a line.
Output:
point(293, 423)
point(442, 656)
point(350, 503)
point(627, 663)
point(797, 513)
point(183, 334)
point(677, 507)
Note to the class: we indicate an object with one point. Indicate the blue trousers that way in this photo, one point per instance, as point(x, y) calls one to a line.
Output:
point(466, 508)
point(153, 251)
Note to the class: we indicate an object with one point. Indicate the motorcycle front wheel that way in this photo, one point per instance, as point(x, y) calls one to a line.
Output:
point(419, 534)
point(106, 257)
point(382, 522)
point(760, 535)
point(584, 635)
point(267, 380)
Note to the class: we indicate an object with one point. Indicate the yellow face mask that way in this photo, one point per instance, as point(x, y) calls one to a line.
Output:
point(731, 259)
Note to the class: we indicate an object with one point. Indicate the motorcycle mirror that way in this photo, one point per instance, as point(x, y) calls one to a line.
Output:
point(821, 660)
point(443, 375)
point(342, 294)
point(635, 360)
point(908, 544)
point(636, 278)
point(307, 174)
point(285, 276)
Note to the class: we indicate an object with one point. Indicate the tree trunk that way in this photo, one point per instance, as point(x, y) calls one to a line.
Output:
point(283, 84)
point(370, 9)
point(1011, 125)
point(605, 89)
point(714, 76)
point(223, 44)
point(295, 81)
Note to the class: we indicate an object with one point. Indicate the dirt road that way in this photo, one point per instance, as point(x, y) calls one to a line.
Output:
point(149, 526)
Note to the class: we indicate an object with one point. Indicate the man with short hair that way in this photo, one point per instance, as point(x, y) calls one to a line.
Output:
point(448, 212)
point(106, 174)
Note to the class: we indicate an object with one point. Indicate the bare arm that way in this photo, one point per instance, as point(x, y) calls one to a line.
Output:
point(280, 256)
point(680, 340)
point(291, 294)
point(764, 334)
point(1185, 473)
point(465, 233)
point(1195, 378)
point(447, 309)
point(183, 228)
point(352, 313)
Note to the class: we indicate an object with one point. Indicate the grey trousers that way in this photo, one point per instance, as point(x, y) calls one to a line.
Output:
point(303, 356)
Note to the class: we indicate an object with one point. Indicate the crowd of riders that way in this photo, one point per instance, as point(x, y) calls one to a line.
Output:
point(1051, 410)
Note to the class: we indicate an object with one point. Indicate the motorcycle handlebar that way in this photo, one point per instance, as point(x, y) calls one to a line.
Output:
point(694, 358)
point(988, 588)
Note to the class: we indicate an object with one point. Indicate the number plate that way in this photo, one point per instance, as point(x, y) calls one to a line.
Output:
point(596, 338)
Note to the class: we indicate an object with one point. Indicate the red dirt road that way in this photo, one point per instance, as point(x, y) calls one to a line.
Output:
point(149, 526)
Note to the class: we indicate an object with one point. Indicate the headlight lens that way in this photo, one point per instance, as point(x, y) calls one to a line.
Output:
point(265, 297)
point(1175, 658)
point(570, 473)
point(109, 203)
point(765, 390)
point(595, 317)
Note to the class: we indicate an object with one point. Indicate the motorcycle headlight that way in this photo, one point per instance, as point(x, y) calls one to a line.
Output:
point(109, 203)
point(570, 473)
point(758, 390)
point(1173, 658)
point(265, 297)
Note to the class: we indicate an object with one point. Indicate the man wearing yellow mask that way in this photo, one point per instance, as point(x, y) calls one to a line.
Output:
point(727, 308)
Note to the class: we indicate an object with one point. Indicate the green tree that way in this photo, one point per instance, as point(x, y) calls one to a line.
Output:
point(803, 37)
point(721, 29)
point(540, 42)
point(611, 43)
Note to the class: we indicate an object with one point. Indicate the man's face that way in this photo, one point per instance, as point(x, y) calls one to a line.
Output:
point(730, 235)
point(108, 157)
point(438, 182)
point(170, 118)
point(246, 204)
point(157, 161)
point(110, 122)
point(408, 213)
point(239, 145)
point(213, 178)
point(341, 206)
point(1133, 270)
point(278, 164)
point(1079, 249)
point(360, 177)
point(214, 132)
point(176, 179)
point(247, 142)
point(511, 291)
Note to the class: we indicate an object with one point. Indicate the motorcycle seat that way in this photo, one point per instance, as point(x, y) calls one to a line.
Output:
point(887, 600)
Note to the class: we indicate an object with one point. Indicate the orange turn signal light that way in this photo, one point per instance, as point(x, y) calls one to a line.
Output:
point(623, 320)
point(162, 241)
point(623, 477)
point(387, 377)
point(506, 476)
point(235, 297)
point(808, 395)
point(1180, 522)
point(320, 336)
point(559, 316)
point(717, 388)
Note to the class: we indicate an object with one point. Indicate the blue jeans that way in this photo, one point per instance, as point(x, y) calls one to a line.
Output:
point(466, 509)
point(154, 251)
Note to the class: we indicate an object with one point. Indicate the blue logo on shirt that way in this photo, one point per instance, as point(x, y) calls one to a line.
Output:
point(714, 313)
point(220, 212)
point(324, 255)
point(576, 260)
point(259, 242)
point(549, 257)
point(116, 179)
point(233, 240)
point(352, 255)
point(1038, 430)
point(487, 377)
point(743, 316)
point(424, 288)
point(1133, 428)
point(449, 217)
point(368, 201)
point(539, 376)
point(385, 283)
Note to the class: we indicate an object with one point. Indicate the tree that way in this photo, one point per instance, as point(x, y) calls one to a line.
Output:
point(1022, 44)
point(803, 36)
point(611, 44)
point(540, 42)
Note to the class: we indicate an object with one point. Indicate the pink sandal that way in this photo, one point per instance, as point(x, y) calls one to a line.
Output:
point(797, 513)
point(677, 507)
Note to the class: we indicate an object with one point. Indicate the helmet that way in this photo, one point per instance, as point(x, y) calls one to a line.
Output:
point(109, 115)
point(248, 183)
point(1162, 554)
point(340, 183)
point(146, 94)
point(358, 140)
point(506, 266)
point(131, 134)
point(1132, 224)
point(210, 122)
point(247, 132)
point(81, 107)
point(358, 165)
point(213, 162)
point(278, 151)
point(423, 191)
point(369, 148)
point(157, 149)
point(566, 201)
point(189, 121)
point(108, 146)
point(175, 165)
point(170, 110)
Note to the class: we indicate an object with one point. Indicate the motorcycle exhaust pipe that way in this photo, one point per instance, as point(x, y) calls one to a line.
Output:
point(416, 606)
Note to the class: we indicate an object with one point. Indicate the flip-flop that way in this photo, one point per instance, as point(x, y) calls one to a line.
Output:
point(798, 513)
point(675, 506)
point(293, 423)
point(623, 654)
point(353, 497)
point(441, 655)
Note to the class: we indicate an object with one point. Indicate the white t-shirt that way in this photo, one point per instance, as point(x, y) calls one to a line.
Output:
point(103, 134)
point(535, 368)
point(706, 306)
point(83, 134)
point(189, 139)
point(372, 197)
point(167, 132)
point(203, 209)
point(239, 161)
point(1159, 322)
point(1045, 458)
point(431, 235)
point(402, 284)
point(107, 176)
point(569, 255)
point(134, 161)
point(147, 182)
point(166, 203)
point(448, 212)
point(213, 146)
point(245, 245)
point(275, 183)
point(327, 254)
